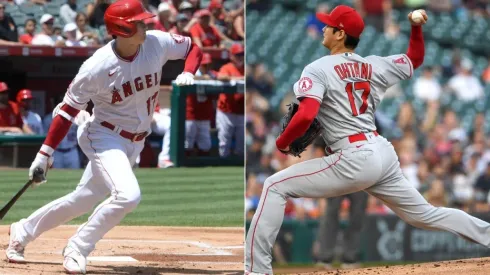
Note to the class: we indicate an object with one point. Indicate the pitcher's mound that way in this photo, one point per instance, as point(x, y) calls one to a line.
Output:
point(478, 266)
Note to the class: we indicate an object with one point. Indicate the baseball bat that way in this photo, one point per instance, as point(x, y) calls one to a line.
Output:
point(37, 176)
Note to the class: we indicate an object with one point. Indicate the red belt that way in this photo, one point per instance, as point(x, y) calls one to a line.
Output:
point(354, 138)
point(360, 137)
point(125, 134)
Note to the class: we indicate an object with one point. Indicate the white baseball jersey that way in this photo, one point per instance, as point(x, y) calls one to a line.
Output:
point(349, 88)
point(124, 92)
point(34, 122)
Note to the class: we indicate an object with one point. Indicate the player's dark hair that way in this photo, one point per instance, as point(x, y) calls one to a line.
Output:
point(30, 20)
point(349, 42)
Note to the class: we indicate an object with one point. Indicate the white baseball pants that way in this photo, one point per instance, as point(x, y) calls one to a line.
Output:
point(371, 165)
point(198, 131)
point(230, 125)
point(109, 172)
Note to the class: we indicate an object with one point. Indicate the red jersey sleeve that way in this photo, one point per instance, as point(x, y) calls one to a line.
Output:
point(195, 31)
point(224, 71)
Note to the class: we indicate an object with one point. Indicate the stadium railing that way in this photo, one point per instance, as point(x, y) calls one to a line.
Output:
point(178, 116)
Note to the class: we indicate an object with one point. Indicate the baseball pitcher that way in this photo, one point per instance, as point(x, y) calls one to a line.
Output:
point(123, 80)
point(341, 91)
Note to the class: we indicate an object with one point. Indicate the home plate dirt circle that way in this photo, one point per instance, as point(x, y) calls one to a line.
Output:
point(139, 250)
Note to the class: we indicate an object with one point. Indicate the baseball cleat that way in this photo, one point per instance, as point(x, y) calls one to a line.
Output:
point(254, 273)
point(15, 250)
point(74, 262)
point(166, 164)
point(351, 265)
point(325, 265)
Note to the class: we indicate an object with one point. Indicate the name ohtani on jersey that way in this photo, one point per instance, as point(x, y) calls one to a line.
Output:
point(354, 69)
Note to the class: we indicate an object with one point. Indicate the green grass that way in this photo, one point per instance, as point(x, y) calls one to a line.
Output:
point(211, 196)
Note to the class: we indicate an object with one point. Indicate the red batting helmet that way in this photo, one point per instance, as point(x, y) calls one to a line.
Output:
point(120, 16)
point(23, 94)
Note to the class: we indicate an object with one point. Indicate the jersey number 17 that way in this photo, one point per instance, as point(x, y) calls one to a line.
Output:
point(361, 86)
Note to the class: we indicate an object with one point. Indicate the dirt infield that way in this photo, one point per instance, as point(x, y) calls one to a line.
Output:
point(480, 266)
point(139, 250)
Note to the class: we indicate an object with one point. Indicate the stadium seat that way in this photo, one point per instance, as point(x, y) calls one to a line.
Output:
point(31, 9)
point(52, 8)
point(19, 19)
point(11, 9)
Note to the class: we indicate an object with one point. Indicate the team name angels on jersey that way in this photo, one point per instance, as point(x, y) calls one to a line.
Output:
point(140, 83)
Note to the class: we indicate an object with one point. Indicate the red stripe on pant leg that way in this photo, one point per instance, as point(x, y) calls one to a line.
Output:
point(265, 198)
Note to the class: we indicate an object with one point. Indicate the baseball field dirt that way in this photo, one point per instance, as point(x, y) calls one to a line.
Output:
point(138, 250)
point(479, 266)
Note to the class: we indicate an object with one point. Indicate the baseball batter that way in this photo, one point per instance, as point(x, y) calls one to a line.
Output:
point(342, 91)
point(122, 80)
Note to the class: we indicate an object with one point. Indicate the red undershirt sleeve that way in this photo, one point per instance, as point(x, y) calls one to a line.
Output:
point(301, 121)
point(58, 130)
point(193, 59)
point(416, 48)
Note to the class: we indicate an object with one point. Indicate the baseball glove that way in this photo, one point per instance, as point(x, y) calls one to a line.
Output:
point(299, 145)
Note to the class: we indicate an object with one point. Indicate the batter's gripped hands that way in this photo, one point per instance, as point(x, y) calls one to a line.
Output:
point(43, 162)
point(424, 15)
point(184, 78)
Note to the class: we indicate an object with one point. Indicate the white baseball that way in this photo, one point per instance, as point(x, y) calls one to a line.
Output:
point(417, 16)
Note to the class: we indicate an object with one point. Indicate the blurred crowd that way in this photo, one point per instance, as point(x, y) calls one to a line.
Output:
point(218, 24)
point(448, 164)
point(377, 13)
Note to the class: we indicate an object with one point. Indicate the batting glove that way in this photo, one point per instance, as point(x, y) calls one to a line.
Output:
point(43, 162)
point(185, 78)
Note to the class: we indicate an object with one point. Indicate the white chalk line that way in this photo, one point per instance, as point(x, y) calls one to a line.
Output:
point(111, 259)
point(213, 263)
point(230, 247)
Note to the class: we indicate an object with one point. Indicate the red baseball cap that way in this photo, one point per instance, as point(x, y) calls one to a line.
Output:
point(151, 20)
point(201, 13)
point(3, 87)
point(236, 48)
point(344, 18)
point(215, 4)
point(206, 59)
point(23, 94)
